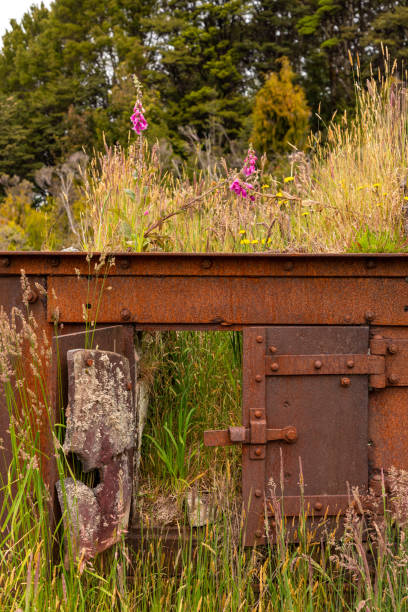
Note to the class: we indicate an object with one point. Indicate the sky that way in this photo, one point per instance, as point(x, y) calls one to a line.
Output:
point(15, 9)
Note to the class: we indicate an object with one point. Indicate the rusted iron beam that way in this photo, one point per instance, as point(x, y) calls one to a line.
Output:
point(211, 264)
point(229, 301)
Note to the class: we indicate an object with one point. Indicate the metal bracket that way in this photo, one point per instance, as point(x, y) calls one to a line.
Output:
point(257, 435)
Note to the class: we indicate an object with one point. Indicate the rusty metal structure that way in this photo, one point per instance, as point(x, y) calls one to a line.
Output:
point(325, 357)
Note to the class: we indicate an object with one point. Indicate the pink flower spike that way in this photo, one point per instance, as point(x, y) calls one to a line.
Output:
point(146, 212)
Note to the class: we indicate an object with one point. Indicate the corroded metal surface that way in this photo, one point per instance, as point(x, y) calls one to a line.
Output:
point(227, 301)
point(231, 291)
point(101, 432)
point(210, 264)
point(329, 453)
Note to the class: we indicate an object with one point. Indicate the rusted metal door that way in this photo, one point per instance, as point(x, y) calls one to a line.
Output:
point(94, 378)
point(304, 421)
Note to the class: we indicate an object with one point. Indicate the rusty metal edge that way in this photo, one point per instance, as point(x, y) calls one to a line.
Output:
point(209, 264)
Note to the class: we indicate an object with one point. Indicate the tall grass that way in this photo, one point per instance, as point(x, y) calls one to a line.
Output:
point(351, 181)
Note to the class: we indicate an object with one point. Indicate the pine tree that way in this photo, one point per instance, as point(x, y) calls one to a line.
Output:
point(280, 114)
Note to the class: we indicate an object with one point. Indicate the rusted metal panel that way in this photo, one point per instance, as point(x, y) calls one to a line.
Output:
point(210, 264)
point(230, 301)
point(388, 412)
point(101, 432)
point(330, 451)
point(11, 297)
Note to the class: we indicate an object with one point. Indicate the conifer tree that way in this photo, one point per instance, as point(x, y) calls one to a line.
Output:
point(280, 114)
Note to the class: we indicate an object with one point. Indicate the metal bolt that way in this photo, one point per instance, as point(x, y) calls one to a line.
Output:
point(318, 506)
point(5, 262)
point(206, 263)
point(258, 452)
point(125, 314)
point(393, 379)
point(258, 378)
point(32, 296)
point(317, 364)
point(345, 382)
point(258, 533)
point(392, 349)
point(124, 264)
point(89, 362)
point(369, 315)
point(370, 263)
point(347, 319)
point(288, 265)
point(55, 262)
point(129, 385)
point(291, 434)
point(258, 414)
point(273, 349)
point(258, 492)
point(350, 363)
point(274, 366)
point(259, 339)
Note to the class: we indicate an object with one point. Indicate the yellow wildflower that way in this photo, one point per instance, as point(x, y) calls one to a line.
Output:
point(376, 185)
point(245, 241)
point(405, 197)
point(265, 187)
point(254, 241)
point(263, 241)
point(279, 194)
point(288, 179)
point(242, 232)
point(269, 240)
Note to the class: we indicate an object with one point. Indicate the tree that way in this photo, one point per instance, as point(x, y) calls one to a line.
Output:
point(280, 114)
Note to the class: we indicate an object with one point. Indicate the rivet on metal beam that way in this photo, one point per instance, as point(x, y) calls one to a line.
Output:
point(370, 263)
point(317, 364)
point(345, 382)
point(318, 506)
point(258, 414)
point(350, 363)
point(369, 315)
point(392, 348)
point(347, 319)
point(32, 296)
point(259, 339)
point(258, 533)
point(274, 366)
point(54, 262)
point(125, 314)
point(258, 492)
point(272, 349)
point(393, 379)
point(5, 262)
point(206, 264)
point(258, 452)
point(288, 265)
point(258, 378)
point(124, 264)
